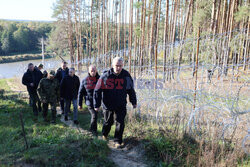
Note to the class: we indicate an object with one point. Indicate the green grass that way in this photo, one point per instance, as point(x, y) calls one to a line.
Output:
point(49, 145)
point(165, 147)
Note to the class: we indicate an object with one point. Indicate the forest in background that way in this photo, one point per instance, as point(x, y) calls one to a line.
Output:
point(22, 36)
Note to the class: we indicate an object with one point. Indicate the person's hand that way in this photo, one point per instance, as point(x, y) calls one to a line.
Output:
point(31, 84)
point(43, 101)
point(134, 106)
point(80, 107)
point(96, 109)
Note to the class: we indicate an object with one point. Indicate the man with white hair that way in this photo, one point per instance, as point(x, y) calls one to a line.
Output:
point(87, 91)
point(112, 89)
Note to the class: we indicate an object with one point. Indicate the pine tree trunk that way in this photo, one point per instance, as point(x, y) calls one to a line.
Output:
point(165, 40)
point(91, 25)
point(152, 33)
point(130, 33)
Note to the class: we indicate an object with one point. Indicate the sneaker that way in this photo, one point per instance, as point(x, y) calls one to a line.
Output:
point(76, 122)
point(118, 145)
point(105, 138)
point(45, 120)
point(66, 118)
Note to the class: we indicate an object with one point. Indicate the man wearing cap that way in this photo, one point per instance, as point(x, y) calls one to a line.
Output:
point(31, 79)
point(49, 93)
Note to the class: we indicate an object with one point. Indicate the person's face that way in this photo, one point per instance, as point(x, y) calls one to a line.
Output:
point(40, 68)
point(31, 67)
point(92, 71)
point(64, 66)
point(71, 73)
point(51, 77)
point(117, 66)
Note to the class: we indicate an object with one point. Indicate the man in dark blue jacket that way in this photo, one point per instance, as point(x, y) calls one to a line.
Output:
point(31, 79)
point(60, 74)
point(87, 91)
point(69, 92)
point(112, 88)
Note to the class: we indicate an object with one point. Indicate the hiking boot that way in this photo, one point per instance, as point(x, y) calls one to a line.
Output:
point(35, 119)
point(53, 122)
point(94, 133)
point(45, 120)
point(66, 118)
point(105, 138)
point(76, 122)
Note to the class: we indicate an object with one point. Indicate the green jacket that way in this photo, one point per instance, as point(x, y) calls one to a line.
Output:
point(49, 90)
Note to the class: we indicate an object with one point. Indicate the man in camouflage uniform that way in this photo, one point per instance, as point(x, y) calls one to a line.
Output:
point(49, 93)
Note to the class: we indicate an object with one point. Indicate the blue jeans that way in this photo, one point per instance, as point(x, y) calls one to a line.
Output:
point(67, 104)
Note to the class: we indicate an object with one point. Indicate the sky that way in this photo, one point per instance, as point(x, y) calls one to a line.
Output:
point(27, 10)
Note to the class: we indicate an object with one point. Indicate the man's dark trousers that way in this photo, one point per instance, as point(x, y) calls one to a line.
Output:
point(93, 122)
point(62, 105)
point(34, 100)
point(119, 116)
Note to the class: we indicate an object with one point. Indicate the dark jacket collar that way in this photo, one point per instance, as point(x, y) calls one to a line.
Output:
point(60, 69)
point(111, 71)
point(28, 71)
point(97, 75)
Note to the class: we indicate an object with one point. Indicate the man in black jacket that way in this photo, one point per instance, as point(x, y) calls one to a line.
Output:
point(69, 92)
point(31, 79)
point(112, 88)
point(87, 91)
point(60, 74)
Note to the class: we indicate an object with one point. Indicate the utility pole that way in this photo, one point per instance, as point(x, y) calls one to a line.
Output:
point(42, 51)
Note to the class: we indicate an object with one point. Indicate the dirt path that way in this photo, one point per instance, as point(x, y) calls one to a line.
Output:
point(129, 156)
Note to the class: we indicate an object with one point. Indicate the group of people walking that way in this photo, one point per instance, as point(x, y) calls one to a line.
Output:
point(110, 89)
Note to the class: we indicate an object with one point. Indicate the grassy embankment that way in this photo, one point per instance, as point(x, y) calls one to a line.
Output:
point(49, 145)
point(23, 57)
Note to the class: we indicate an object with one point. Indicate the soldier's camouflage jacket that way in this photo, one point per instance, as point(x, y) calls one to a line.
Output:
point(49, 90)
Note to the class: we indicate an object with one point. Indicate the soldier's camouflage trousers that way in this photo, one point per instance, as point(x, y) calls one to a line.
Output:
point(53, 110)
